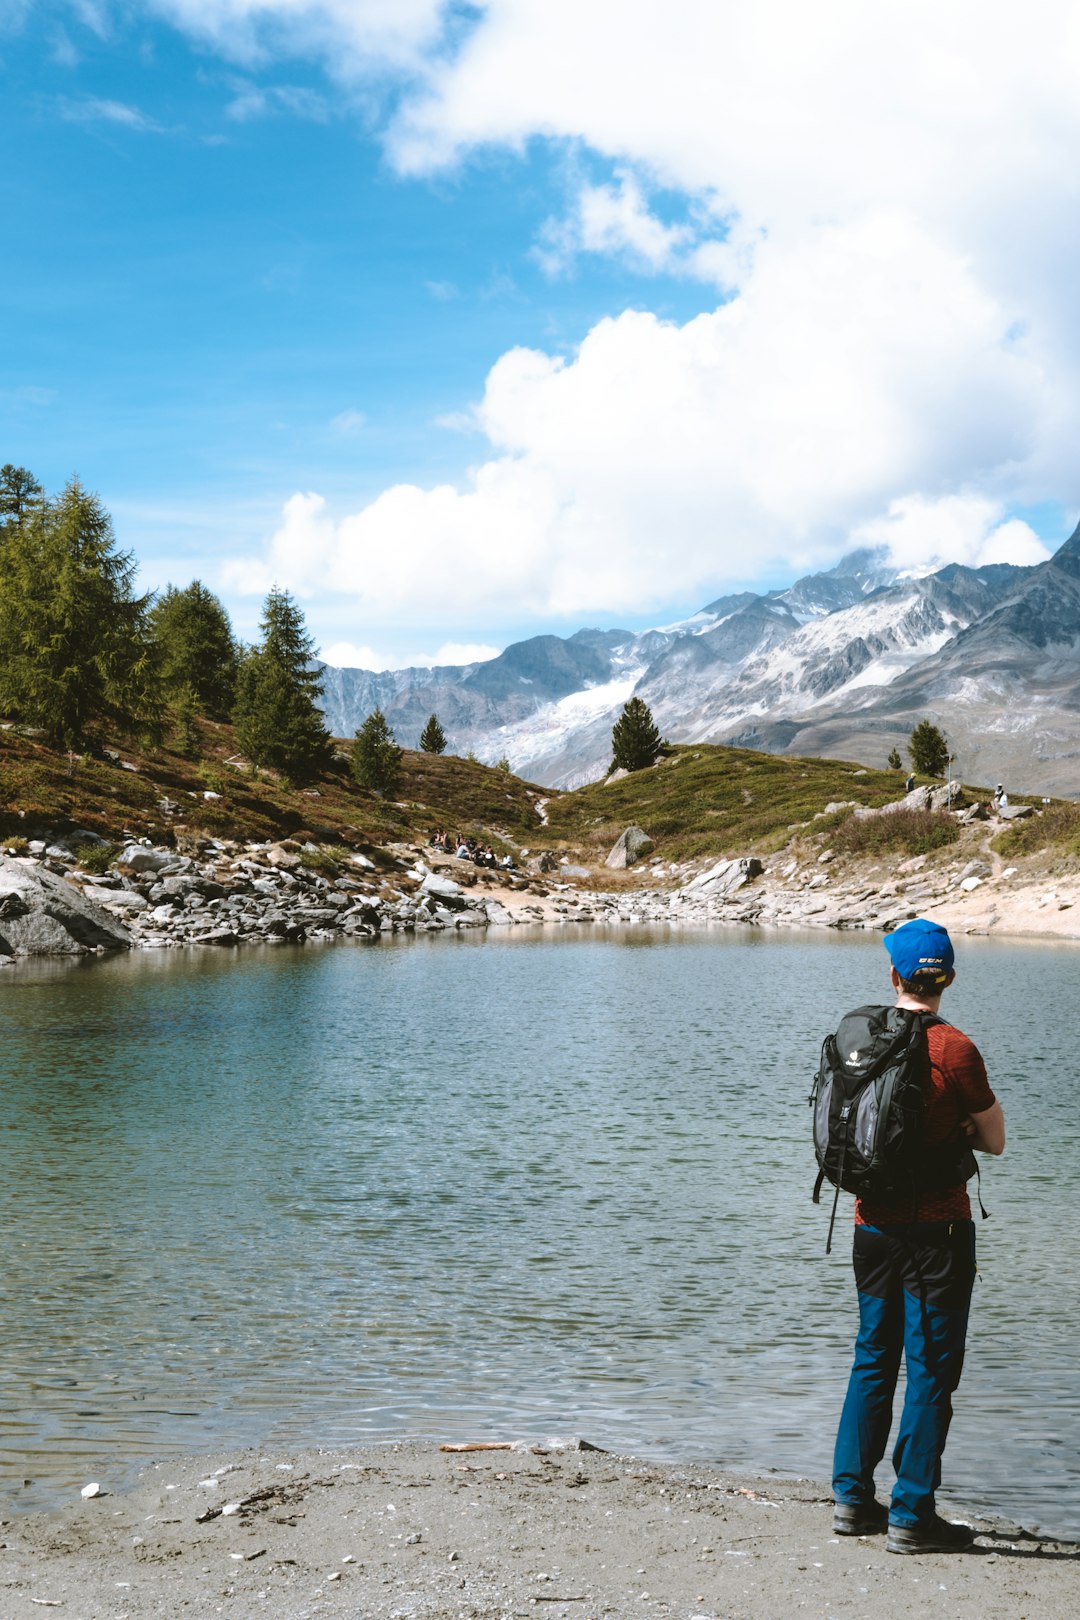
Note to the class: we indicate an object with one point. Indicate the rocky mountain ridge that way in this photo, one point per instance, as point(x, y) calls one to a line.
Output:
point(841, 664)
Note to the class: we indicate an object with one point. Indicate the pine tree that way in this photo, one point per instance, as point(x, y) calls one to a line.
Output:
point(196, 648)
point(895, 763)
point(277, 721)
point(185, 712)
point(376, 757)
point(928, 749)
point(635, 741)
point(76, 647)
point(20, 494)
point(433, 737)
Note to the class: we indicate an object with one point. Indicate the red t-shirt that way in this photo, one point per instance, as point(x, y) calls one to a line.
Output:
point(957, 1087)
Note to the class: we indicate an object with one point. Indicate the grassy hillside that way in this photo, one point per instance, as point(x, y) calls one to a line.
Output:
point(709, 800)
point(128, 788)
point(701, 802)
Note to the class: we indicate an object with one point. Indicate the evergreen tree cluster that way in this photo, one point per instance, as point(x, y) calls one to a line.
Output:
point(75, 643)
point(80, 650)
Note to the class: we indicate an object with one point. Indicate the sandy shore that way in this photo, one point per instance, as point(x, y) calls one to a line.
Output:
point(397, 1532)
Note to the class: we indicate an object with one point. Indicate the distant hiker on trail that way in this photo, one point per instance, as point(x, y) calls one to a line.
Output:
point(1001, 798)
point(909, 785)
point(914, 1249)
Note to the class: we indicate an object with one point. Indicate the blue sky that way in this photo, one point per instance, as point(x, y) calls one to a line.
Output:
point(466, 323)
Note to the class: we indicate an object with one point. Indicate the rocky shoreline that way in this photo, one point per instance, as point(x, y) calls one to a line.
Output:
point(56, 899)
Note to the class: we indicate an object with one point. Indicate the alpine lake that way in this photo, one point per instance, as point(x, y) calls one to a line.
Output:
point(530, 1186)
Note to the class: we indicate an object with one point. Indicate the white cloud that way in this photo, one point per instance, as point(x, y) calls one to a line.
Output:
point(347, 655)
point(348, 423)
point(93, 110)
point(461, 652)
point(615, 219)
point(923, 535)
point(352, 37)
point(886, 194)
point(64, 53)
point(251, 101)
point(659, 459)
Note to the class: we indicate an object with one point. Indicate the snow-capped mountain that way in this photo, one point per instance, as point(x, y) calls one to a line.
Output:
point(841, 663)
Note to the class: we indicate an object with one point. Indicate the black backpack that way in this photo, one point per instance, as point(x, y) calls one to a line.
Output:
point(868, 1109)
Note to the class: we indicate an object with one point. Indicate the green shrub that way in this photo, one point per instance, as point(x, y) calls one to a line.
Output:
point(906, 832)
point(96, 858)
point(14, 846)
point(1057, 828)
point(322, 862)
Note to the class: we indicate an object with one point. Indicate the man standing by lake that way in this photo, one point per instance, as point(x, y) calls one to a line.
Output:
point(914, 1272)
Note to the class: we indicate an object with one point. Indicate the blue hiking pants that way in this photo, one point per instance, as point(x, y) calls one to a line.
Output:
point(914, 1285)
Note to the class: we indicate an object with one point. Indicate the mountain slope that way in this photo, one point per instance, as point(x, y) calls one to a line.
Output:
point(842, 663)
point(1006, 688)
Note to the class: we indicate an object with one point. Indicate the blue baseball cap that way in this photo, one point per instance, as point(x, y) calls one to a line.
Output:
point(921, 950)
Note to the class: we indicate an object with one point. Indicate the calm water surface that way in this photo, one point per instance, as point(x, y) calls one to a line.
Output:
point(496, 1188)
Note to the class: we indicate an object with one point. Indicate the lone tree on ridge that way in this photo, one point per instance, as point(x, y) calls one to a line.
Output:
point(376, 758)
point(277, 721)
point(895, 763)
point(635, 741)
point(433, 737)
point(928, 749)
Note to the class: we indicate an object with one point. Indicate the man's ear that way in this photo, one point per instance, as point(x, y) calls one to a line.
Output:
point(895, 979)
point(951, 977)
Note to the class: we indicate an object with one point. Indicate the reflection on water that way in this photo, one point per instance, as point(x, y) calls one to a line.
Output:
point(510, 1187)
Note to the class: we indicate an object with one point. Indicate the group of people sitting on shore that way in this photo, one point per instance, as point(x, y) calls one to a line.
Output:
point(467, 849)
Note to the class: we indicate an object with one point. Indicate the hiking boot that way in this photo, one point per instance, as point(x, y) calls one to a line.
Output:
point(935, 1535)
point(859, 1518)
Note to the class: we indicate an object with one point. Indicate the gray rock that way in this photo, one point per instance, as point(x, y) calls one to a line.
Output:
point(140, 859)
point(117, 899)
point(43, 915)
point(284, 858)
point(629, 848)
point(725, 877)
point(950, 796)
point(1015, 812)
point(497, 914)
point(443, 890)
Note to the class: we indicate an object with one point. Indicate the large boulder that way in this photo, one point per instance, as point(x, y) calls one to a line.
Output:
point(949, 796)
point(725, 877)
point(629, 848)
point(43, 915)
point(442, 891)
point(141, 858)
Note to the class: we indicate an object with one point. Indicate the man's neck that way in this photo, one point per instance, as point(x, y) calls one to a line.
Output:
point(928, 1004)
